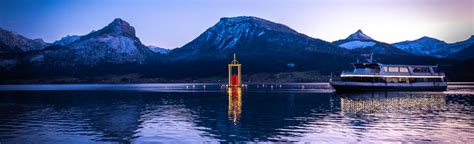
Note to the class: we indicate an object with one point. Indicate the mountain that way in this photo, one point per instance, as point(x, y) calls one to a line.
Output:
point(115, 43)
point(67, 40)
point(262, 46)
point(427, 46)
point(247, 35)
point(359, 35)
point(464, 54)
point(11, 42)
point(359, 42)
point(159, 49)
point(455, 48)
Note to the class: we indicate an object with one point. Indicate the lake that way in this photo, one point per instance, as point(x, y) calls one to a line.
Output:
point(141, 113)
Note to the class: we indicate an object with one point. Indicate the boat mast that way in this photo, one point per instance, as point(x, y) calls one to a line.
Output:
point(371, 57)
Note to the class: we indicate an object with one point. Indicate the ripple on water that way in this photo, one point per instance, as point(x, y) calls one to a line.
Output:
point(312, 114)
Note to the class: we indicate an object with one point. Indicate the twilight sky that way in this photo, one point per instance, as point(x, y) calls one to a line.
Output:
point(173, 23)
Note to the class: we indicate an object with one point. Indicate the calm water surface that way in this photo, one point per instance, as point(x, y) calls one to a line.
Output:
point(205, 112)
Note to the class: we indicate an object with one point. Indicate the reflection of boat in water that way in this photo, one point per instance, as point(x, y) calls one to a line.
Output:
point(235, 103)
point(375, 102)
point(370, 76)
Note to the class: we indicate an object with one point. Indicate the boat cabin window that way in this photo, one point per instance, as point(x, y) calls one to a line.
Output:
point(421, 70)
point(392, 69)
point(390, 79)
point(403, 69)
point(411, 80)
point(395, 69)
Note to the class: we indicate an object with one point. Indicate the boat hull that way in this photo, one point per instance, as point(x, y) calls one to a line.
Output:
point(363, 86)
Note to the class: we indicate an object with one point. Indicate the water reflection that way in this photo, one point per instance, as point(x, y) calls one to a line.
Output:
point(389, 102)
point(235, 103)
point(234, 115)
point(59, 116)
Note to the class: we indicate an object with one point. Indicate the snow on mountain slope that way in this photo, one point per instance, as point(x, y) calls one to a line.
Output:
point(424, 46)
point(67, 40)
point(114, 49)
point(250, 36)
point(158, 49)
point(228, 31)
point(427, 46)
point(359, 35)
point(357, 44)
point(458, 46)
point(115, 43)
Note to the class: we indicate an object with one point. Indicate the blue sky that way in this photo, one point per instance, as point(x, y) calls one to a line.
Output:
point(173, 23)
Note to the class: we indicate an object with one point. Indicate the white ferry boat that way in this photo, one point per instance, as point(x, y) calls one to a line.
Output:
point(371, 76)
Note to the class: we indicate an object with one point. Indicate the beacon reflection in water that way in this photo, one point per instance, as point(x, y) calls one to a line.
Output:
point(235, 103)
point(376, 102)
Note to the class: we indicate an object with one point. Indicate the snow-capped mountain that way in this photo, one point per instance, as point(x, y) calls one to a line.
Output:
point(359, 35)
point(159, 49)
point(458, 46)
point(11, 42)
point(427, 46)
point(67, 40)
point(115, 43)
point(261, 45)
point(359, 42)
point(251, 36)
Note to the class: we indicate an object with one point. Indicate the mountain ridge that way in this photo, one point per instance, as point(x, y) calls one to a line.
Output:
point(114, 43)
point(359, 35)
point(361, 43)
point(263, 46)
point(12, 42)
point(427, 46)
point(247, 35)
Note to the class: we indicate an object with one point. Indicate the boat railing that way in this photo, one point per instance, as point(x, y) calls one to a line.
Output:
point(354, 73)
point(394, 84)
point(394, 74)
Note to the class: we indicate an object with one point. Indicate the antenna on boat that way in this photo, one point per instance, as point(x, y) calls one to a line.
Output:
point(330, 78)
point(437, 63)
point(371, 57)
